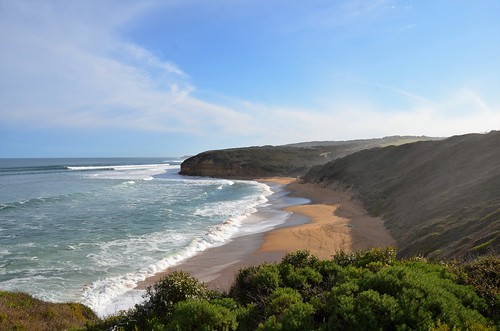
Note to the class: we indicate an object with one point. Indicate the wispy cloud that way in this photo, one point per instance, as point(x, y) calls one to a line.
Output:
point(354, 16)
point(463, 111)
point(64, 68)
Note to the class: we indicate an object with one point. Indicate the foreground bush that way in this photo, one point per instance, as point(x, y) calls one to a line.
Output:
point(483, 275)
point(363, 291)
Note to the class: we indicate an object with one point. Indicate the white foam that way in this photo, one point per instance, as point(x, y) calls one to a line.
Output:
point(84, 168)
point(111, 294)
point(130, 172)
point(233, 209)
point(102, 295)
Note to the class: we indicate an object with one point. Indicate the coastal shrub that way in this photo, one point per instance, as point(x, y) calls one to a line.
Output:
point(300, 259)
point(378, 256)
point(297, 317)
point(255, 283)
point(483, 275)
point(304, 279)
point(413, 295)
point(361, 291)
point(162, 297)
point(281, 299)
point(287, 311)
point(204, 315)
point(297, 271)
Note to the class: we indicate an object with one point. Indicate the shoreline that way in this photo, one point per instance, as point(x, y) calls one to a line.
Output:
point(338, 222)
point(217, 266)
point(332, 221)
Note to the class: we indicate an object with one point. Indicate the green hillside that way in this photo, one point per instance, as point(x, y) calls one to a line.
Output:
point(20, 311)
point(289, 160)
point(438, 198)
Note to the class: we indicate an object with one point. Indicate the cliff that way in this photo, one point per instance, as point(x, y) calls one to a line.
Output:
point(438, 198)
point(289, 160)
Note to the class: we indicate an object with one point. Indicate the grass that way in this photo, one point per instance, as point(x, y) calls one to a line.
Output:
point(431, 194)
point(268, 161)
point(483, 245)
point(19, 311)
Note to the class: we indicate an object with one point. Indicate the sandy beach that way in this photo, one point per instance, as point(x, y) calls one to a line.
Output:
point(338, 222)
point(333, 221)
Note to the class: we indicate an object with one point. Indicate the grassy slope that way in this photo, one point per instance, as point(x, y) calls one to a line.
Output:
point(19, 311)
point(289, 160)
point(439, 198)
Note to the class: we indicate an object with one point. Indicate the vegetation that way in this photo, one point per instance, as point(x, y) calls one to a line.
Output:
point(288, 160)
point(440, 199)
point(364, 291)
point(19, 311)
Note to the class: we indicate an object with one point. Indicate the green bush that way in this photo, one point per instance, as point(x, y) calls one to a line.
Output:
point(300, 259)
point(362, 291)
point(254, 284)
point(162, 297)
point(280, 300)
point(297, 317)
point(414, 295)
point(366, 258)
point(287, 311)
point(203, 315)
point(483, 275)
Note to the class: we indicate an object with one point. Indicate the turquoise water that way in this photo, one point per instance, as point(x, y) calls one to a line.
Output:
point(88, 230)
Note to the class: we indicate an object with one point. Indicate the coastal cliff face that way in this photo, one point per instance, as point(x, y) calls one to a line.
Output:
point(207, 167)
point(438, 198)
point(288, 160)
point(253, 162)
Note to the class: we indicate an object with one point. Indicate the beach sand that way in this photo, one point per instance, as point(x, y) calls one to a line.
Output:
point(333, 221)
point(338, 222)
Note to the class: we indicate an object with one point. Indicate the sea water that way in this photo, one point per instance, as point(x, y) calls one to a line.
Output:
point(88, 230)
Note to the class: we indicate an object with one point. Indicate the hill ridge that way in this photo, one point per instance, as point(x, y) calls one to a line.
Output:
point(438, 198)
point(286, 160)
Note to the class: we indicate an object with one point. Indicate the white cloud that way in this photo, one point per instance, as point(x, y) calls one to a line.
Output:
point(462, 112)
point(63, 67)
point(354, 16)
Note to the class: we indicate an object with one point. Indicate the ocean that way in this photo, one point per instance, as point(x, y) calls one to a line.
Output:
point(88, 230)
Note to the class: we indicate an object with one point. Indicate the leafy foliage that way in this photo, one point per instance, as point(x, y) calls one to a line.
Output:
point(361, 291)
point(483, 275)
point(205, 315)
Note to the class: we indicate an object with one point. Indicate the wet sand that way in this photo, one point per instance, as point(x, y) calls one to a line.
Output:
point(333, 221)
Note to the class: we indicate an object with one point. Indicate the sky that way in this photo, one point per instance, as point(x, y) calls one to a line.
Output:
point(113, 78)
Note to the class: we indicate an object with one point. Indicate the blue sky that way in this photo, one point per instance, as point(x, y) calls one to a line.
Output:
point(177, 77)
